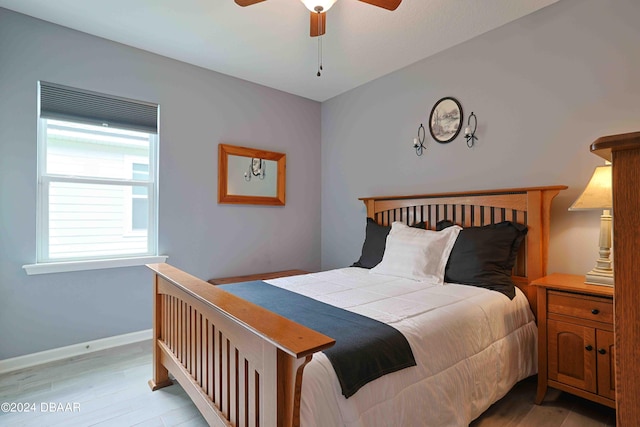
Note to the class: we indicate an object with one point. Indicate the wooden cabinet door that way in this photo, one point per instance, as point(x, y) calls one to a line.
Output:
point(572, 355)
point(606, 365)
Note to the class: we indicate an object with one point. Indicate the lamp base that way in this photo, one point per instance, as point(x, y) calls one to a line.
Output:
point(602, 273)
point(599, 277)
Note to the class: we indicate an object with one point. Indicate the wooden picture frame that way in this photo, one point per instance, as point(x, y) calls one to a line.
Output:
point(445, 120)
point(278, 177)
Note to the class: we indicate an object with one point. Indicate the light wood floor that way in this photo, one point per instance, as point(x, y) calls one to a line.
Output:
point(559, 409)
point(110, 389)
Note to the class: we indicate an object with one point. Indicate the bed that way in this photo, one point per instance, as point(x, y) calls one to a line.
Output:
point(244, 365)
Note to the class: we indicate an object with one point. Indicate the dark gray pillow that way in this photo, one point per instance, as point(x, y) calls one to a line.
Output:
point(484, 256)
point(374, 243)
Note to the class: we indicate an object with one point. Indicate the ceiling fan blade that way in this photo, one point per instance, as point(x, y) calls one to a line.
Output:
point(385, 4)
point(317, 24)
point(244, 3)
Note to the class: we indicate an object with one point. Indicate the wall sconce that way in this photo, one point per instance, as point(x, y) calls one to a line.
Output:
point(471, 134)
point(256, 168)
point(418, 143)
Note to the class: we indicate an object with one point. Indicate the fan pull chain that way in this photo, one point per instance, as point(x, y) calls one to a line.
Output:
point(320, 31)
point(319, 56)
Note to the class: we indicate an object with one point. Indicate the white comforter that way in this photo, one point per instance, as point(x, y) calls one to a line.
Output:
point(471, 346)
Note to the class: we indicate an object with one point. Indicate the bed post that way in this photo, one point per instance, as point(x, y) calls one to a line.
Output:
point(538, 221)
point(370, 205)
point(535, 247)
point(289, 390)
point(160, 373)
point(547, 198)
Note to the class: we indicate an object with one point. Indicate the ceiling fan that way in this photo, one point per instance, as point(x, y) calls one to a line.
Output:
point(318, 16)
point(318, 9)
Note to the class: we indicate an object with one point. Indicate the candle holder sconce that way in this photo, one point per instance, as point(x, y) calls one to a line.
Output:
point(418, 143)
point(469, 134)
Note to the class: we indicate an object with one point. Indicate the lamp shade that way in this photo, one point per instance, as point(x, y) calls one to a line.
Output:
point(324, 4)
point(597, 195)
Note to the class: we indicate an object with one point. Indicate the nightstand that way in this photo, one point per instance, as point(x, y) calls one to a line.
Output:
point(575, 338)
point(259, 276)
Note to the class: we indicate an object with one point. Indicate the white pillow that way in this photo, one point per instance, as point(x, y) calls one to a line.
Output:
point(417, 254)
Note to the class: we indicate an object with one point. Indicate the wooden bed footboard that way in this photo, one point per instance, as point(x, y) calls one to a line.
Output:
point(239, 363)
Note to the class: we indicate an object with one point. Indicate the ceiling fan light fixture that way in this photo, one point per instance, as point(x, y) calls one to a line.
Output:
point(318, 5)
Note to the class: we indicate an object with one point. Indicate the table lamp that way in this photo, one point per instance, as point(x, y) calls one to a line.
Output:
point(597, 195)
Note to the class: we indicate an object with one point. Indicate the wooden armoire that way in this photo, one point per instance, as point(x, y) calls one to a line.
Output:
point(624, 153)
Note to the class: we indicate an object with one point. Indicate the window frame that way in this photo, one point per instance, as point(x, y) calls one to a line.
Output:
point(128, 201)
point(44, 263)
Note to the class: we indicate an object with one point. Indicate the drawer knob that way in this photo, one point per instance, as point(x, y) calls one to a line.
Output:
point(595, 311)
point(589, 347)
point(602, 351)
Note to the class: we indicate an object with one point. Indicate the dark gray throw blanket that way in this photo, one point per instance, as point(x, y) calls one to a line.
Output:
point(365, 348)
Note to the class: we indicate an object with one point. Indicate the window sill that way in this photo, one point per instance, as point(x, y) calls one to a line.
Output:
point(61, 267)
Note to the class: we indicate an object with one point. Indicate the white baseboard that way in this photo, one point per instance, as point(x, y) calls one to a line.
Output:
point(52, 355)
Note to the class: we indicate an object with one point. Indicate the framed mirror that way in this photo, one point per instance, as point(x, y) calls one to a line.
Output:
point(251, 176)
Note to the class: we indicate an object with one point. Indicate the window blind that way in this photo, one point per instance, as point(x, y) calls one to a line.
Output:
point(60, 102)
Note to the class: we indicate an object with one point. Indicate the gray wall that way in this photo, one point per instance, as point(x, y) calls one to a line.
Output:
point(543, 87)
point(199, 109)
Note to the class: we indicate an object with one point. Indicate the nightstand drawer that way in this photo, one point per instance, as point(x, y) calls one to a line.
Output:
point(582, 306)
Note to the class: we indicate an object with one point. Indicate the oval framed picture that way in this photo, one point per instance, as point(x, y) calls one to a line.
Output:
point(445, 120)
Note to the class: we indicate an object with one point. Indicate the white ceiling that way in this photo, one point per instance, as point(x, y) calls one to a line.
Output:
point(268, 43)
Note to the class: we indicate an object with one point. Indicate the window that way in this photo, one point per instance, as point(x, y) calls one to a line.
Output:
point(97, 186)
point(140, 198)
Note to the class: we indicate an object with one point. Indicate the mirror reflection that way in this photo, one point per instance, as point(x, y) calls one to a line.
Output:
point(250, 176)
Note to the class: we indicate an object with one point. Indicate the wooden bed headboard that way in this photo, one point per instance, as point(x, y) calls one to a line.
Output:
point(530, 206)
